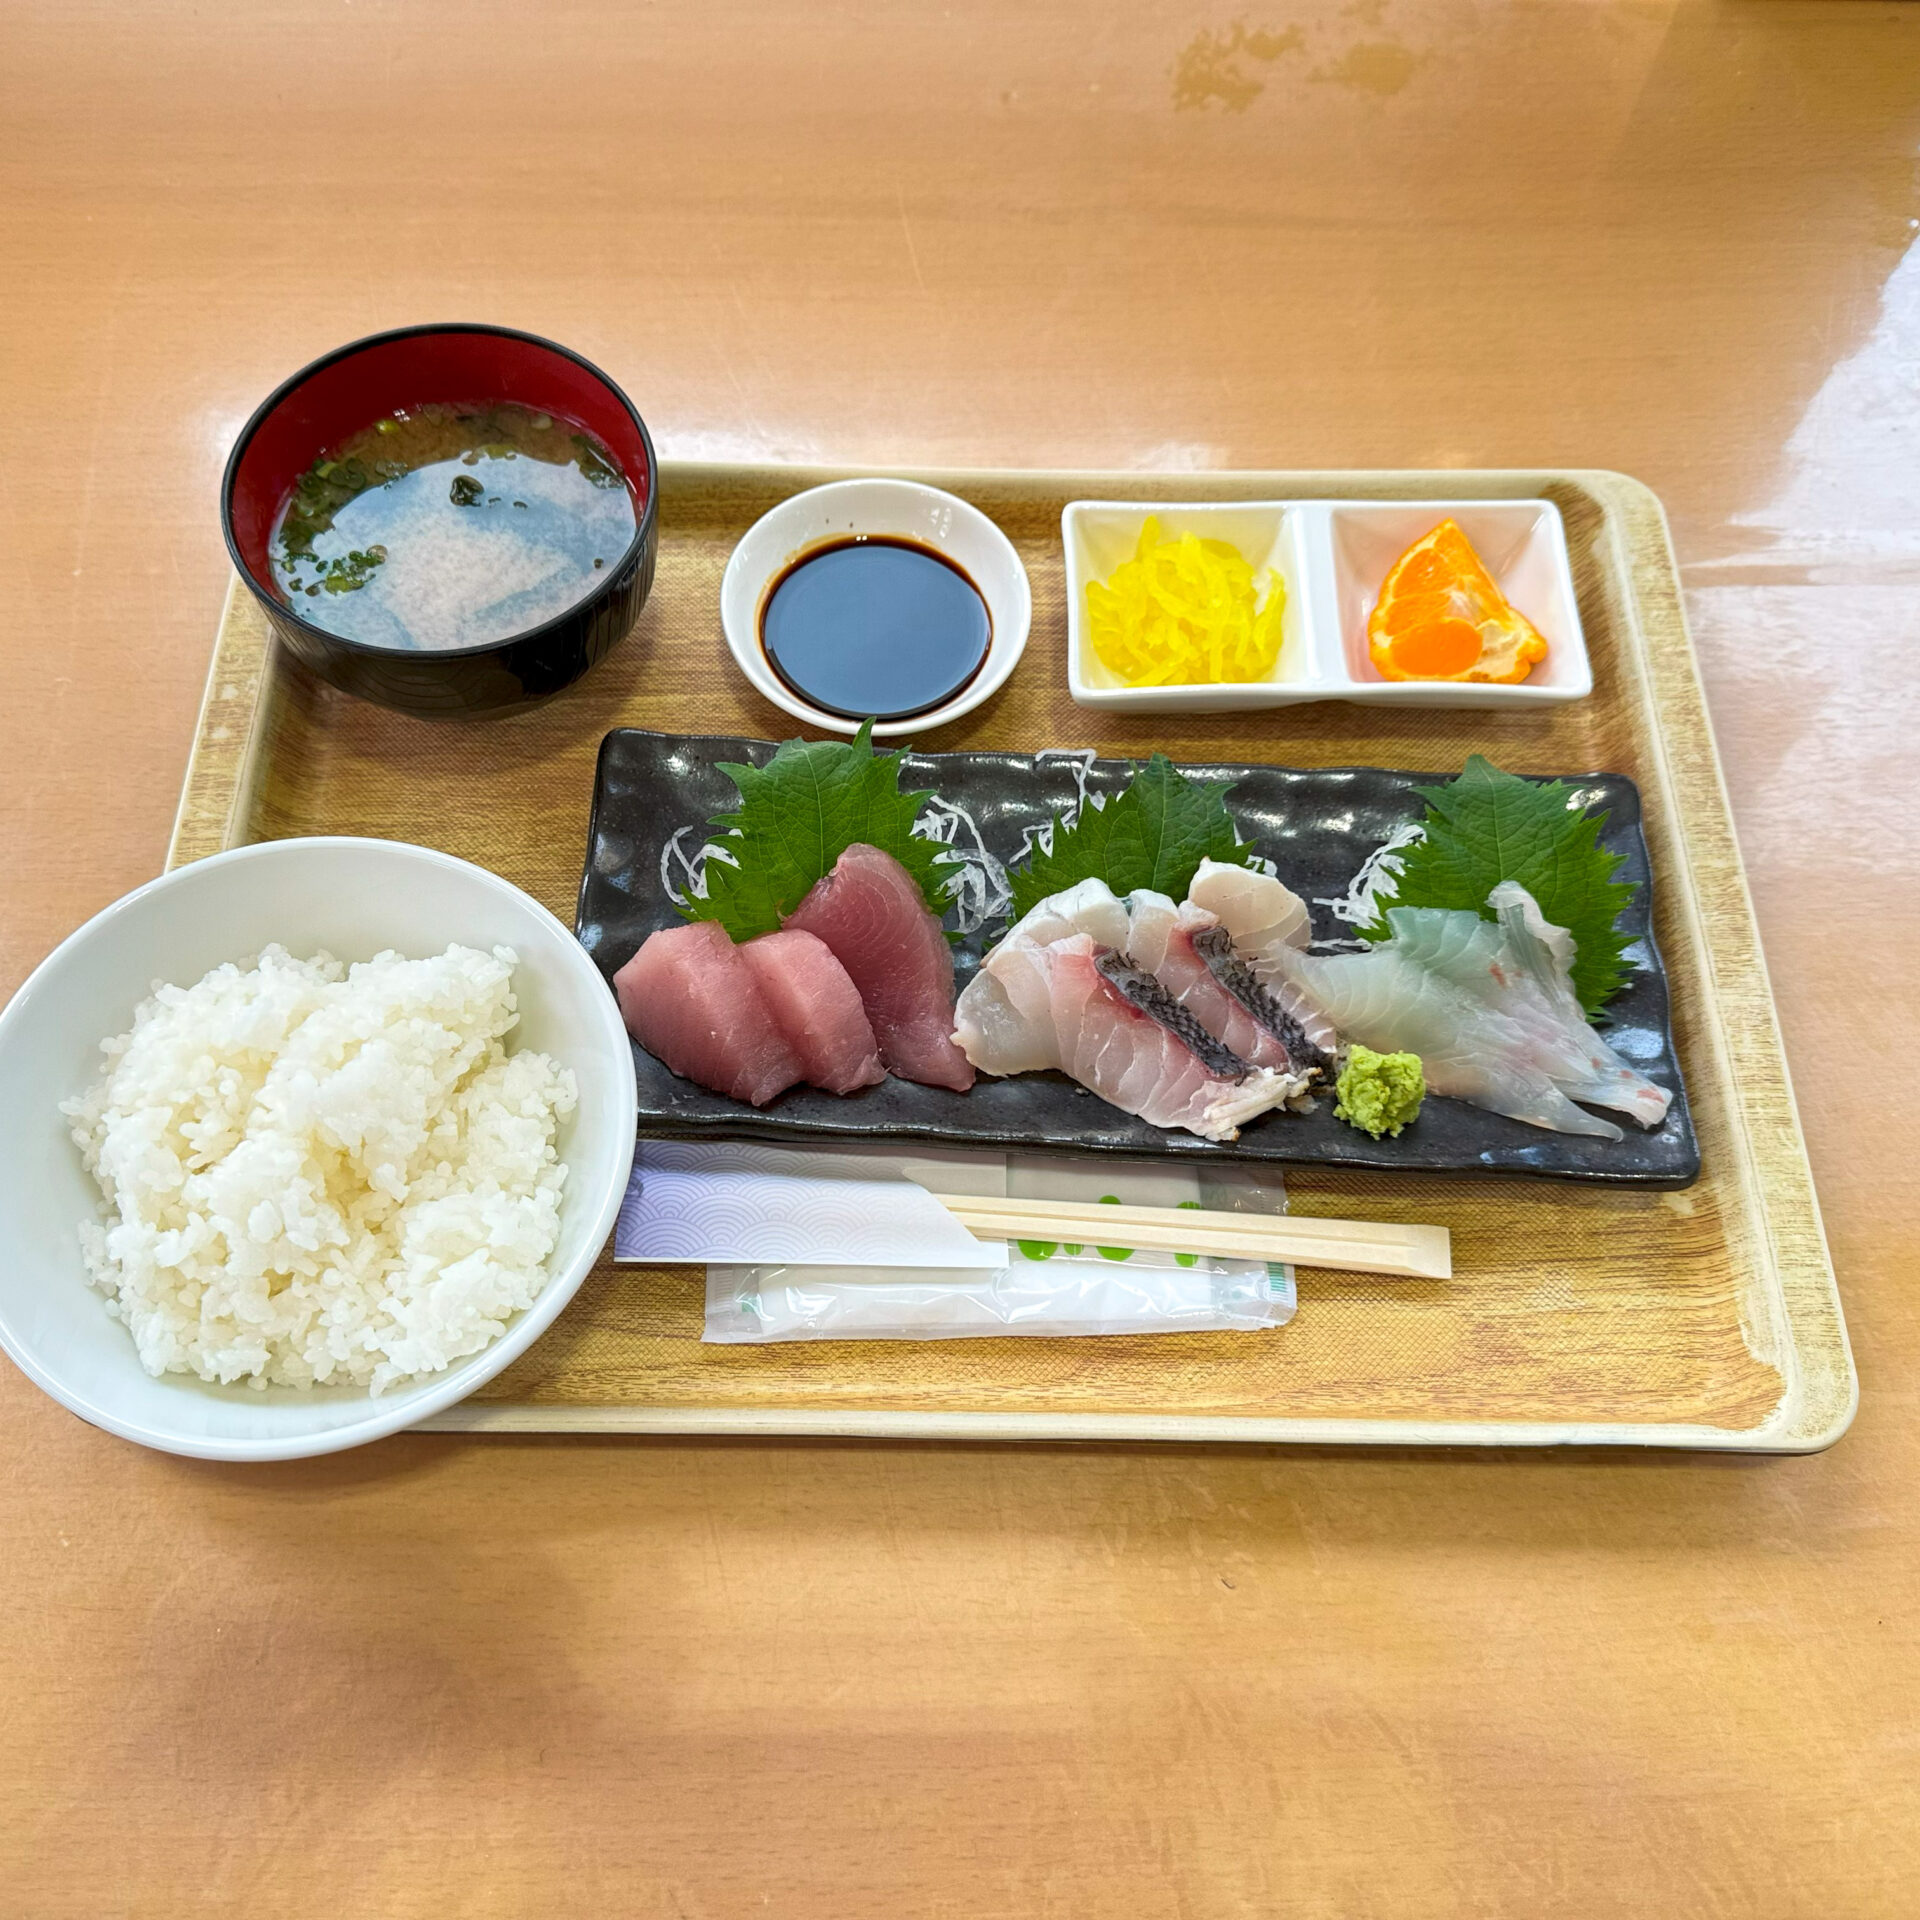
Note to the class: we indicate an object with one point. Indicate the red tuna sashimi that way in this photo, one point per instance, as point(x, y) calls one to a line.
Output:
point(869, 911)
point(818, 1008)
point(690, 999)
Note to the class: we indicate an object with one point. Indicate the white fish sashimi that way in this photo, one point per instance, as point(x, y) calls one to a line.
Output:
point(1033, 1006)
point(1266, 921)
point(1546, 952)
point(1091, 908)
point(1490, 1009)
point(1520, 966)
point(1233, 1007)
point(997, 1033)
point(1151, 920)
point(1389, 1002)
point(1003, 1038)
point(1255, 908)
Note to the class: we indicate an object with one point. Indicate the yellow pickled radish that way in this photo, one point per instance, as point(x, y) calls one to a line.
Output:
point(1184, 612)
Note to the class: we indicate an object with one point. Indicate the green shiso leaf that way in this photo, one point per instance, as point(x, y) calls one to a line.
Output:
point(797, 815)
point(1154, 834)
point(1488, 826)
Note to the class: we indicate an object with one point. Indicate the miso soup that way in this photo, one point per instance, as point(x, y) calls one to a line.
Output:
point(450, 526)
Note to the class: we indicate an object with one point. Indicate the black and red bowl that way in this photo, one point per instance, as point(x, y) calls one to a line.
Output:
point(348, 389)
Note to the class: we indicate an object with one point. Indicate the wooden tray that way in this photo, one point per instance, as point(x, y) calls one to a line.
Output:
point(1701, 1318)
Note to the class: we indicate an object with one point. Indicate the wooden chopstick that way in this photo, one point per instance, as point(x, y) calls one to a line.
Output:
point(1351, 1246)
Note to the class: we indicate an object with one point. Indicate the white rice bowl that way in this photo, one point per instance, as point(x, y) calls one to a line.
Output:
point(319, 1175)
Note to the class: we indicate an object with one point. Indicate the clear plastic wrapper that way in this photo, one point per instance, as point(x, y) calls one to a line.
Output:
point(1046, 1290)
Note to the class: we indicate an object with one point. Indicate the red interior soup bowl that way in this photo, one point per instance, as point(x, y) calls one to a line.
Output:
point(464, 597)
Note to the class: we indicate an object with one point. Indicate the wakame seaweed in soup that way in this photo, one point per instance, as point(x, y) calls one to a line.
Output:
point(449, 526)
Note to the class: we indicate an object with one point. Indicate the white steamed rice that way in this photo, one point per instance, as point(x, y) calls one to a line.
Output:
point(315, 1174)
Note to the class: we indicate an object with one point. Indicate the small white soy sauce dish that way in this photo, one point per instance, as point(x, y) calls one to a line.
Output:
point(1332, 556)
point(948, 642)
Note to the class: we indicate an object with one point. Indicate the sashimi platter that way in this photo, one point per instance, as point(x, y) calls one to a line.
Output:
point(654, 947)
point(1059, 950)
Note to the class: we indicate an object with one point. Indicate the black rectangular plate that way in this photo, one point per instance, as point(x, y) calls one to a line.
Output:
point(654, 794)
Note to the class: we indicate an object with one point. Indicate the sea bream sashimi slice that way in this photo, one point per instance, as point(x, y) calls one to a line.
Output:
point(1158, 937)
point(1192, 955)
point(1192, 958)
point(818, 1008)
point(1090, 907)
point(870, 913)
point(1259, 911)
point(1082, 1008)
point(1264, 919)
point(1488, 1008)
point(692, 1001)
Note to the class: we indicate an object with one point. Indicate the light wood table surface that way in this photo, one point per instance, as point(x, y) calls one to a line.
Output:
point(476, 1678)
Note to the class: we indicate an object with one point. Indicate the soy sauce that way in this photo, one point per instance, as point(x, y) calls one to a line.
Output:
point(875, 625)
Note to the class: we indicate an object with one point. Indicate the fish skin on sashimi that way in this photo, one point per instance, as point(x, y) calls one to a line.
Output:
point(818, 1008)
point(1222, 994)
point(1160, 939)
point(1268, 1005)
point(1141, 989)
point(690, 999)
point(1266, 920)
point(1033, 1007)
point(870, 912)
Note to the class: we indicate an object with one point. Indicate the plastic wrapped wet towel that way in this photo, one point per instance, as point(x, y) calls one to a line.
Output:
point(739, 1202)
point(1046, 1290)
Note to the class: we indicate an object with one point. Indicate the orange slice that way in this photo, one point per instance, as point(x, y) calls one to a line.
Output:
point(1440, 616)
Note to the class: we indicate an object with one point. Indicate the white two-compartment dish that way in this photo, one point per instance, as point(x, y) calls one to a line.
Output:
point(900, 509)
point(353, 898)
point(1332, 556)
